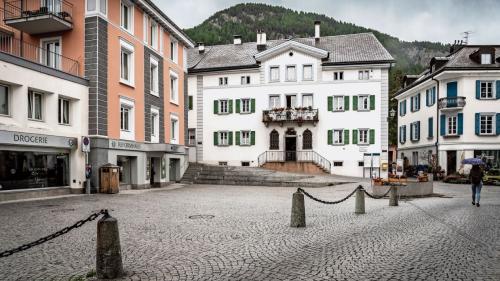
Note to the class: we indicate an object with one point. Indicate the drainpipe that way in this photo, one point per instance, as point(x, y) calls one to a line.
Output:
point(437, 125)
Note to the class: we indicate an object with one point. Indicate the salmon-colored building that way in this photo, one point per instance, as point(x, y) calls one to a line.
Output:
point(132, 58)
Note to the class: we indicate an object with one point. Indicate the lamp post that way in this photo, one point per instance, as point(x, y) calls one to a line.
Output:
point(392, 113)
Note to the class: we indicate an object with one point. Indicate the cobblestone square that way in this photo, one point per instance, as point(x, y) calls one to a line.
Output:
point(249, 238)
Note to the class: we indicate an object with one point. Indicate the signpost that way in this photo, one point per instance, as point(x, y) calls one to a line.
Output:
point(88, 167)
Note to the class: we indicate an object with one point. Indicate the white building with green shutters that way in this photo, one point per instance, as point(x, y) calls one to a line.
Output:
point(451, 111)
point(322, 100)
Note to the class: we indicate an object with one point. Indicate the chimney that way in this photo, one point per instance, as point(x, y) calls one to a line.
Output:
point(317, 34)
point(261, 40)
point(201, 47)
point(237, 40)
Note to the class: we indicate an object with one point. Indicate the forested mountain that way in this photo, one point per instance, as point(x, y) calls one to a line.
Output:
point(279, 23)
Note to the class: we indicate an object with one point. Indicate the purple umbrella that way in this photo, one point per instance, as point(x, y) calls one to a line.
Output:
point(473, 161)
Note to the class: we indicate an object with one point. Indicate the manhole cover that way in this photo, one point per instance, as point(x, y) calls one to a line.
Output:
point(206, 217)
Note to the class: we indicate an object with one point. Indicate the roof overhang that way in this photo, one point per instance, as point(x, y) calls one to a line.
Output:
point(225, 68)
point(291, 45)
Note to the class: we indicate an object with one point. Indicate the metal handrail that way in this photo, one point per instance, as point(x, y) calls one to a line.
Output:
point(451, 102)
point(298, 156)
point(33, 8)
point(18, 48)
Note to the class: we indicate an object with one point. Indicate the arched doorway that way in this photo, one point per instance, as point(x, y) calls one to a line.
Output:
point(290, 145)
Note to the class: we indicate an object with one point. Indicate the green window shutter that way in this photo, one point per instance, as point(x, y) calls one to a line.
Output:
point(330, 137)
point(230, 106)
point(498, 89)
point(460, 123)
point(355, 103)
point(252, 105)
point(252, 138)
point(346, 136)
point(477, 124)
point(190, 102)
point(371, 135)
point(346, 103)
point(478, 89)
point(330, 103)
point(230, 138)
point(238, 102)
point(372, 102)
point(216, 107)
point(430, 127)
point(216, 138)
point(354, 136)
point(442, 125)
point(237, 133)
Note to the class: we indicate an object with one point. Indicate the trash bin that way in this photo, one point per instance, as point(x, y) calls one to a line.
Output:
point(110, 179)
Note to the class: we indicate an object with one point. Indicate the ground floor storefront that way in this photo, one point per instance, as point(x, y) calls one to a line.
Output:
point(36, 163)
point(141, 165)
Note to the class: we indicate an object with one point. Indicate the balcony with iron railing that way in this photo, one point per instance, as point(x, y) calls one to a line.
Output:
point(298, 115)
point(451, 103)
point(38, 16)
point(17, 48)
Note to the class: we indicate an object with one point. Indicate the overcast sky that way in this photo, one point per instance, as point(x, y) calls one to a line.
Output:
point(429, 20)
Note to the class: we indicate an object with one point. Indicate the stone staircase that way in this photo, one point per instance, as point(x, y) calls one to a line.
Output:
point(248, 176)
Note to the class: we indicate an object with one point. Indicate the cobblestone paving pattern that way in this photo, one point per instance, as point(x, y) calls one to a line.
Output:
point(250, 239)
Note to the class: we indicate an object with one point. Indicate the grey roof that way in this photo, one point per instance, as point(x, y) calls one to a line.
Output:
point(343, 49)
point(459, 60)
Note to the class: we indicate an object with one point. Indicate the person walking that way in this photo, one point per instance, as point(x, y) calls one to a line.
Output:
point(476, 177)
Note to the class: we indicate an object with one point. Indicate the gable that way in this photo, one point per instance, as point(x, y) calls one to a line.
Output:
point(291, 46)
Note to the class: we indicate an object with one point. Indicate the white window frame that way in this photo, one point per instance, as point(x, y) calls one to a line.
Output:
point(130, 105)
point(274, 105)
point(243, 140)
point(191, 133)
point(271, 68)
point(312, 100)
point(226, 106)
point(453, 129)
point(338, 136)
point(363, 133)
point(245, 80)
point(486, 59)
point(154, 77)
point(129, 49)
point(491, 88)
point(154, 27)
point(31, 108)
point(338, 75)
point(145, 27)
point(223, 141)
point(155, 125)
point(174, 88)
point(338, 106)
point(57, 56)
point(304, 78)
point(288, 79)
point(174, 129)
point(242, 105)
point(130, 16)
point(414, 129)
point(8, 98)
point(493, 124)
point(364, 74)
point(174, 50)
point(161, 39)
point(61, 102)
point(223, 81)
point(360, 103)
point(97, 8)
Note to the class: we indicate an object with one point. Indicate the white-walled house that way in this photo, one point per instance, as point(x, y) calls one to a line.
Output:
point(322, 100)
point(453, 107)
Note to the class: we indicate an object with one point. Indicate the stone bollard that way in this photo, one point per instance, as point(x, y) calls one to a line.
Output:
point(108, 254)
point(393, 196)
point(359, 207)
point(298, 210)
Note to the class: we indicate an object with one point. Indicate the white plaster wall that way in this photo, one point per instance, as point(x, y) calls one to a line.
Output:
point(21, 79)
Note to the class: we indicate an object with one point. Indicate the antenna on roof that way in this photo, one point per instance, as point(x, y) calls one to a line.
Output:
point(466, 36)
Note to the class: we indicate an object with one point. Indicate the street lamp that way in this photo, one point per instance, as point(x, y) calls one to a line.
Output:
point(392, 113)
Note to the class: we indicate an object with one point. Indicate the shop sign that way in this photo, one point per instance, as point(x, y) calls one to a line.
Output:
point(20, 138)
point(126, 145)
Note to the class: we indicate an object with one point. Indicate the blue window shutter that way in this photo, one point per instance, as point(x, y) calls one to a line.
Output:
point(418, 101)
point(411, 104)
point(498, 89)
point(477, 125)
point(478, 89)
point(411, 131)
point(430, 127)
point(460, 121)
point(442, 124)
point(400, 134)
point(401, 108)
point(451, 89)
point(418, 130)
point(405, 107)
point(427, 99)
point(498, 123)
point(433, 95)
point(404, 133)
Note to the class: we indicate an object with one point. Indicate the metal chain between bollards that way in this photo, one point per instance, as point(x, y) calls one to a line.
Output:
point(328, 202)
point(377, 197)
point(54, 235)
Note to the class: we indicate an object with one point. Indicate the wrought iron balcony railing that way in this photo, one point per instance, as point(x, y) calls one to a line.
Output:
point(451, 103)
point(298, 115)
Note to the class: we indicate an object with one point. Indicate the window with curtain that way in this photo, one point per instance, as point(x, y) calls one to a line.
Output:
point(274, 139)
point(307, 139)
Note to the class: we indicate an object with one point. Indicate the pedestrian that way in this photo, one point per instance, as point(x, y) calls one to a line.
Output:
point(476, 177)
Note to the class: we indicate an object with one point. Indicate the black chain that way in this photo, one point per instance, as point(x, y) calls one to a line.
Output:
point(54, 235)
point(378, 197)
point(328, 202)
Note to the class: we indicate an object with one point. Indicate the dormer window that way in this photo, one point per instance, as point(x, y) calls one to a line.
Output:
point(485, 58)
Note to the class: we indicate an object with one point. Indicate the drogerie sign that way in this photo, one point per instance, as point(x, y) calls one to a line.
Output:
point(30, 139)
point(25, 139)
